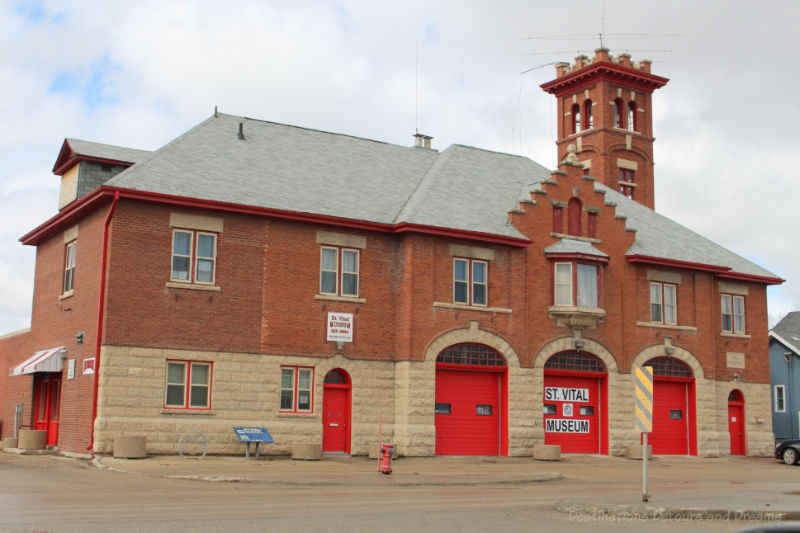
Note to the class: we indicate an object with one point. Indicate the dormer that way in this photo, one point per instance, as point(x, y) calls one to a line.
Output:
point(84, 166)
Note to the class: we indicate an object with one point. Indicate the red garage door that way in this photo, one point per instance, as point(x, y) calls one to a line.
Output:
point(673, 408)
point(574, 406)
point(670, 434)
point(469, 405)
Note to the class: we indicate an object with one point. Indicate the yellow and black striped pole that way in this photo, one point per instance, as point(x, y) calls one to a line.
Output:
point(643, 378)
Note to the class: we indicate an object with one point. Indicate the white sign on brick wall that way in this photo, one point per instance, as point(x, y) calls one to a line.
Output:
point(340, 327)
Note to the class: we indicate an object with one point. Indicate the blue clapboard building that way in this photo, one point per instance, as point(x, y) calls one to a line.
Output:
point(784, 368)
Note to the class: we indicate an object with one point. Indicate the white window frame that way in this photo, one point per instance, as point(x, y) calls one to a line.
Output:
point(573, 284)
point(194, 257)
point(736, 313)
point(780, 408)
point(70, 260)
point(339, 271)
point(665, 307)
point(470, 283)
point(563, 281)
point(296, 373)
point(187, 385)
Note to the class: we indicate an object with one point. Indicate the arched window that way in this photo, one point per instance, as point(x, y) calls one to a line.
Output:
point(588, 115)
point(470, 354)
point(632, 116)
point(618, 113)
point(735, 396)
point(574, 212)
point(576, 118)
point(575, 361)
point(669, 366)
point(335, 377)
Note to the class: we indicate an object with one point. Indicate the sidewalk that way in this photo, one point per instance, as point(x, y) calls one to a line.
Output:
point(742, 488)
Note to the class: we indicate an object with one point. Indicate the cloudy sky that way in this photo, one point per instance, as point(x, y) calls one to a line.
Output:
point(138, 74)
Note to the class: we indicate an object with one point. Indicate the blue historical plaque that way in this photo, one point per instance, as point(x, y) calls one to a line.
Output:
point(253, 434)
point(248, 435)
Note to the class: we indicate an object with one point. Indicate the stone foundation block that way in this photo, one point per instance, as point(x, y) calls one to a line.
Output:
point(547, 452)
point(635, 452)
point(130, 447)
point(307, 452)
point(32, 439)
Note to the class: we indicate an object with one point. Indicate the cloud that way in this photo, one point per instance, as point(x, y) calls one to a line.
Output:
point(139, 74)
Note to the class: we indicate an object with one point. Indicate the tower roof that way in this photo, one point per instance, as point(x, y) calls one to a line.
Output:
point(603, 66)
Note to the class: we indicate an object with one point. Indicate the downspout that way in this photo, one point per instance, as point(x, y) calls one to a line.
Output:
point(100, 309)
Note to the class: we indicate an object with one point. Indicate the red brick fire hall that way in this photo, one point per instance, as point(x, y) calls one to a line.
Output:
point(250, 273)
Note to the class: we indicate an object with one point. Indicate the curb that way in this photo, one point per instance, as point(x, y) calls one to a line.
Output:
point(582, 511)
point(420, 481)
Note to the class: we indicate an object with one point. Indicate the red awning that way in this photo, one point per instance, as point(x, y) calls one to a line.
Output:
point(44, 361)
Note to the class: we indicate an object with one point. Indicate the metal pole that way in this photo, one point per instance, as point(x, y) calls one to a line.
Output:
point(17, 418)
point(380, 437)
point(644, 467)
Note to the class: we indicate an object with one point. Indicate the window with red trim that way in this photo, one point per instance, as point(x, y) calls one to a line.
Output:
point(632, 122)
point(627, 182)
point(338, 272)
point(297, 389)
point(732, 313)
point(576, 284)
point(663, 303)
point(588, 114)
point(574, 214)
point(187, 385)
point(470, 281)
point(576, 118)
point(558, 219)
point(618, 113)
point(69, 267)
point(591, 225)
point(194, 256)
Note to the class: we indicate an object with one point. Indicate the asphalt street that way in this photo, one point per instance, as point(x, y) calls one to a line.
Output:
point(464, 494)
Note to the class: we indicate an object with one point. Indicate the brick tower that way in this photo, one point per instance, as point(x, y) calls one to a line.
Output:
point(604, 109)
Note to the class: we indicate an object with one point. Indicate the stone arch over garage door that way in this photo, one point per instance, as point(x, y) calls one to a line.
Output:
point(613, 421)
point(449, 379)
point(591, 388)
point(472, 335)
point(675, 405)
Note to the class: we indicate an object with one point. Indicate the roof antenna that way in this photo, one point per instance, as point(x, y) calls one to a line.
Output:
point(602, 22)
point(215, 111)
point(241, 131)
point(416, 84)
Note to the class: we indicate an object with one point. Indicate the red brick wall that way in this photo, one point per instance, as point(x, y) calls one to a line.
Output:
point(55, 321)
point(626, 295)
point(142, 311)
point(268, 302)
point(13, 390)
point(268, 271)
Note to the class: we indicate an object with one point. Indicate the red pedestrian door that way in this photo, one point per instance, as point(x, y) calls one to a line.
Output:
point(336, 412)
point(736, 422)
point(47, 394)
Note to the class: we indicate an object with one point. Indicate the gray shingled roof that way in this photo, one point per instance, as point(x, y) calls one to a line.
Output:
point(309, 171)
point(573, 246)
point(658, 236)
point(108, 151)
point(787, 331)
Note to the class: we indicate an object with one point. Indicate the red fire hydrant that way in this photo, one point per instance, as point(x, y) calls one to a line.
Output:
point(387, 450)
